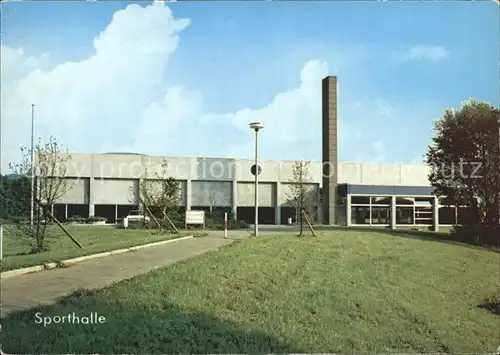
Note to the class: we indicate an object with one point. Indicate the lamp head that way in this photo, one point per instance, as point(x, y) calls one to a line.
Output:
point(256, 126)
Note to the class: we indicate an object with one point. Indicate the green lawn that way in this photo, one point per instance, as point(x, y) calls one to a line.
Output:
point(95, 239)
point(341, 292)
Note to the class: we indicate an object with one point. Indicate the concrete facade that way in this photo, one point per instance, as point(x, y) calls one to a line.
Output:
point(113, 179)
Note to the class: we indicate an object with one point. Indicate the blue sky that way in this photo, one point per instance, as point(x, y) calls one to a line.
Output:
point(165, 85)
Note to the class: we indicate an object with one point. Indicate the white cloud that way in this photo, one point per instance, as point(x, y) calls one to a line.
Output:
point(89, 103)
point(120, 99)
point(428, 53)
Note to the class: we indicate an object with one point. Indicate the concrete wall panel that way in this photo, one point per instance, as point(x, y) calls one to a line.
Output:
point(78, 165)
point(115, 192)
point(415, 175)
point(350, 173)
point(380, 174)
point(211, 193)
point(178, 168)
point(76, 192)
point(122, 166)
point(314, 171)
point(246, 194)
point(269, 172)
point(213, 169)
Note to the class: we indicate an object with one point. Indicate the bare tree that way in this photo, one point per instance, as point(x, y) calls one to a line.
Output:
point(301, 191)
point(160, 192)
point(50, 184)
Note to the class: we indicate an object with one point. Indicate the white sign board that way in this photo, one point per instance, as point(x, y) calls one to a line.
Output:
point(195, 217)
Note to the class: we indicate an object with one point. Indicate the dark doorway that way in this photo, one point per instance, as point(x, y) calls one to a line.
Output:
point(107, 211)
point(288, 212)
point(247, 214)
point(60, 212)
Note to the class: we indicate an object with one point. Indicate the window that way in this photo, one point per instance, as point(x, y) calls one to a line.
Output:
point(404, 215)
point(404, 201)
point(360, 200)
point(381, 200)
point(381, 215)
point(423, 215)
point(360, 215)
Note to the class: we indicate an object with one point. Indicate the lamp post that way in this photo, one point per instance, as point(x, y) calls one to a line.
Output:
point(32, 207)
point(1, 182)
point(256, 126)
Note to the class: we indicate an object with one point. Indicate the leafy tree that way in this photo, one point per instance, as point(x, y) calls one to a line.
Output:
point(15, 197)
point(465, 167)
point(50, 184)
point(301, 191)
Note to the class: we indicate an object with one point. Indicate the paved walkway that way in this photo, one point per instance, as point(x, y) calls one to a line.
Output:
point(45, 287)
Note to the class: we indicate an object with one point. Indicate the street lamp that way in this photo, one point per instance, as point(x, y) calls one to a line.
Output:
point(256, 126)
point(1, 182)
point(32, 206)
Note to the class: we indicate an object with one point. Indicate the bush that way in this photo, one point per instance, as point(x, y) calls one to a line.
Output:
point(492, 304)
point(214, 220)
point(476, 234)
point(93, 219)
point(235, 224)
point(76, 219)
point(20, 220)
point(177, 219)
point(137, 225)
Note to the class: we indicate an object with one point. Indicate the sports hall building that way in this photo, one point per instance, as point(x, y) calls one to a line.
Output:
point(343, 193)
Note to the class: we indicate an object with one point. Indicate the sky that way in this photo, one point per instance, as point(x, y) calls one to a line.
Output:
point(186, 78)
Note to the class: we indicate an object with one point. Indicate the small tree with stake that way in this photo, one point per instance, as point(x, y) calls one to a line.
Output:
point(300, 192)
point(50, 184)
point(162, 193)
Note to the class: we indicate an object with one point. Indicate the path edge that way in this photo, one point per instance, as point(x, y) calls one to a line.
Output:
point(68, 262)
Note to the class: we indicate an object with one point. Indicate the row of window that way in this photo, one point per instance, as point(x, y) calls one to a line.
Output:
point(382, 215)
point(406, 215)
point(386, 200)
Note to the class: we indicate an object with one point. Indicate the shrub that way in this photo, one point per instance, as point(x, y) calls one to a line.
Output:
point(93, 219)
point(76, 219)
point(492, 304)
point(235, 224)
point(177, 219)
point(214, 220)
point(243, 224)
point(476, 234)
point(139, 224)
